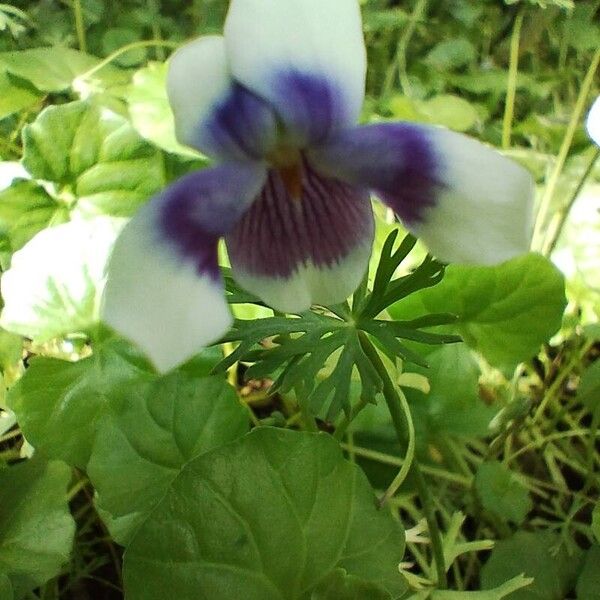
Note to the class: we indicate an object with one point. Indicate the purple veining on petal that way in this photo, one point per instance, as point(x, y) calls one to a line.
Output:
point(278, 234)
point(395, 160)
point(310, 106)
point(201, 207)
point(242, 126)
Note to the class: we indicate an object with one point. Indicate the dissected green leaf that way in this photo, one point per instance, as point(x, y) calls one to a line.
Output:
point(266, 517)
point(55, 283)
point(341, 586)
point(95, 155)
point(501, 492)
point(505, 312)
point(36, 528)
point(152, 427)
point(588, 583)
point(540, 555)
point(25, 209)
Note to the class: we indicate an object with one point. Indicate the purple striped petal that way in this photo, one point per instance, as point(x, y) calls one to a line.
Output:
point(465, 200)
point(163, 289)
point(296, 251)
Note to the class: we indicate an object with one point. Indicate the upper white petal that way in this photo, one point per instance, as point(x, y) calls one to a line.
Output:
point(593, 121)
point(324, 38)
point(198, 79)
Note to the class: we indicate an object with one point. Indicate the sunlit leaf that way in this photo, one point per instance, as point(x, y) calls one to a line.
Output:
point(505, 312)
point(55, 283)
point(99, 161)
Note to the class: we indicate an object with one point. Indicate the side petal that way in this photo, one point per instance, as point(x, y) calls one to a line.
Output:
point(593, 121)
point(306, 57)
point(466, 201)
point(296, 251)
point(213, 113)
point(164, 289)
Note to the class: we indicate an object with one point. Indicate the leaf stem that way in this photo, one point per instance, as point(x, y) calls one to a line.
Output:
point(546, 200)
point(560, 218)
point(123, 50)
point(511, 88)
point(399, 63)
point(79, 25)
point(397, 412)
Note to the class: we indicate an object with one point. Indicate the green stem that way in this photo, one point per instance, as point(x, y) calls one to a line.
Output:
point(399, 64)
point(560, 218)
point(513, 72)
point(123, 50)
point(546, 200)
point(410, 452)
point(397, 412)
point(79, 25)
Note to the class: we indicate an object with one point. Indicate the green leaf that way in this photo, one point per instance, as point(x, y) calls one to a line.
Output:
point(95, 155)
point(150, 111)
point(117, 37)
point(451, 54)
point(267, 517)
point(341, 586)
point(539, 555)
point(588, 391)
point(505, 312)
point(15, 94)
point(49, 69)
point(581, 29)
point(154, 426)
point(36, 528)
point(451, 111)
point(25, 209)
point(501, 493)
point(6, 589)
point(596, 522)
point(55, 282)
point(453, 404)
point(58, 403)
point(588, 583)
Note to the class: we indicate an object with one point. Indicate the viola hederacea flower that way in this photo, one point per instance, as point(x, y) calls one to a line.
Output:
point(593, 121)
point(275, 101)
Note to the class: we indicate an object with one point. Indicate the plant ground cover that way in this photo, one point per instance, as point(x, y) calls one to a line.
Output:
point(328, 455)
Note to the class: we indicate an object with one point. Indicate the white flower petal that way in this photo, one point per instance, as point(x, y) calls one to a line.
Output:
point(593, 121)
point(164, 289)
point(306, 57)
point(198, 78)
point(213, 113)
point(465, 200)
